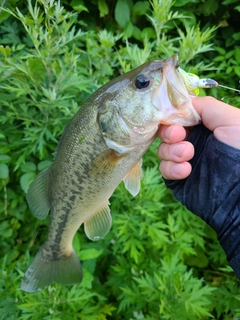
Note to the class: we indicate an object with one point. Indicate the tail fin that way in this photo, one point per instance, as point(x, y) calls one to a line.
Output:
point(42, 272)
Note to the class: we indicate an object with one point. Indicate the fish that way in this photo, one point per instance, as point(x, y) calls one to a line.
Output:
point(101, 146)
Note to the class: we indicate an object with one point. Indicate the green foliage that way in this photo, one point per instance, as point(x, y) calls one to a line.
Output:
point(158, 261)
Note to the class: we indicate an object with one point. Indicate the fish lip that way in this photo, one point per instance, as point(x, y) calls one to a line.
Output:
point(172, 98)
point(173, 61)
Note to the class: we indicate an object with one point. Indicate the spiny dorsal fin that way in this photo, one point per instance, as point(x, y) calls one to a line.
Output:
point(98, 225)
point(37, 196)
point(133, 178)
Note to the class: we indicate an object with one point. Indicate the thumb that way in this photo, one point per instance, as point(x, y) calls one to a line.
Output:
point(219, 117)
point(215, 113)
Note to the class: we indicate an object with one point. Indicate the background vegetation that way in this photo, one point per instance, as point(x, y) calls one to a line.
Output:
point(158, 261)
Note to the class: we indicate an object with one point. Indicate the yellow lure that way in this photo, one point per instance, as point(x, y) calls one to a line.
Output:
point(193, 82)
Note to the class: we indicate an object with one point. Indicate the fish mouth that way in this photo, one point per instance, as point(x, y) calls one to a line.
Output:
point(172, 98)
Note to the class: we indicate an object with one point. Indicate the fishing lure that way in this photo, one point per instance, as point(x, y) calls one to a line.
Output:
point(193, 83)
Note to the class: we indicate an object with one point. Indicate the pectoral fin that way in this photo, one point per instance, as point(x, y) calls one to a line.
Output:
point(37, 196)
point(98, 225)
point(132, 179)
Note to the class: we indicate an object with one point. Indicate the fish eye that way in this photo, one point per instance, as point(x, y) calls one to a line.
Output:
point(141, 81)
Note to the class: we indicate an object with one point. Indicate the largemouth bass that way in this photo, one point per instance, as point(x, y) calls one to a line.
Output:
point(101, 146)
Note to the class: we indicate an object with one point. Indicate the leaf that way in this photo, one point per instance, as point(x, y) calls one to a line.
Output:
point(6, 230)
point(236, 35)
point(4, 158)
point(128, 30)
point(4, 171)
point(209, 7)
point(229, 70)
point(200, 260)
point(180, 3)
point(219, 58)
point(88, 254)
point(5, 50)
point(103, 8)
point(44, 165)
point(87, 279)
point(237, 70)
point(220, 50)
point(137, 33)
point(122, 13)
point(28, 167)
point(229, 54)
point(78, 6)
point(76, 243)
point(149, 33)
point(237, 54)
point(140, 8)
point(3, 14)
point(227, 2)
point(26, 180)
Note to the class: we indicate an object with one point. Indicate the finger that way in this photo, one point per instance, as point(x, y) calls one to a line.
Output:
point(175, 171)
point(221, 118)
point(215, 113)
point(229, 135)
point(177, 152)
point(172, 134)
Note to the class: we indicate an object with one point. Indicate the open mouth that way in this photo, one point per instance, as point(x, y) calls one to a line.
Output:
point(171, 97)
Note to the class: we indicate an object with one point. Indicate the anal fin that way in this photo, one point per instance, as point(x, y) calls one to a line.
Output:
point(133, 178)
point(98, 225)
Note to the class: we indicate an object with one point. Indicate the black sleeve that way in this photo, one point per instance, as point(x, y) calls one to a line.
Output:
point(212, 191)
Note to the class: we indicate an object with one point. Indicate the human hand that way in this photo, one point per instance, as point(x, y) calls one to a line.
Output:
point(212, 189)
point(175, 152)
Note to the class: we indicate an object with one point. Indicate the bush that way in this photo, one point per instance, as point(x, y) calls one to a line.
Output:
point(158, 261)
